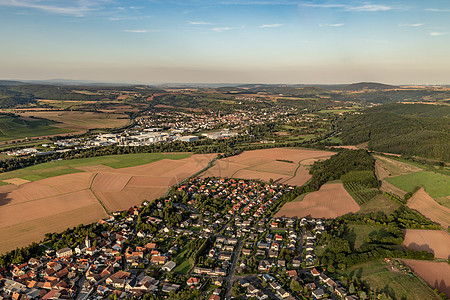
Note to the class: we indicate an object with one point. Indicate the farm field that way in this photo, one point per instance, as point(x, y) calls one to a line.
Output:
point(433, 241)
point(331, 201)
point(80, 120)
point(61, 167)
point(24, 233)
point(360, 193)
point(14, 127)
point(436, 185)
point(388, 167)
point(283, 165)
point(89, 192)
point(428, 207)
point(433, 273)
point(390, 188)
point(379, 204)
point(378, 276)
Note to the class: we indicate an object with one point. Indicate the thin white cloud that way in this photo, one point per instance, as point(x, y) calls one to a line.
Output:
point(370, 8)
point(438, 33)
point(437, 9)
point(332, 25)
point(412, 25)
point(366, 7)
point(136, 30)
point(198, 23)
point(78, 10)
point(322, 5)
point(271, 25)
point(221, 29)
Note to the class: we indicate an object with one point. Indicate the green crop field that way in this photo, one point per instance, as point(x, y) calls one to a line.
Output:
point(61, 167)
point(436, 185)
point(13, 127)
point(398, 284)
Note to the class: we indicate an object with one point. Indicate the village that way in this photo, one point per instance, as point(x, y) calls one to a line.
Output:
point(211, 235)
point(165, 126)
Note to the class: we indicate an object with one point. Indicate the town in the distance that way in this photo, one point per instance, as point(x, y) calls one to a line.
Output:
point(224, 191)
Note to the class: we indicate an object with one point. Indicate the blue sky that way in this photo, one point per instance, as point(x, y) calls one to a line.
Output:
point(249, 41)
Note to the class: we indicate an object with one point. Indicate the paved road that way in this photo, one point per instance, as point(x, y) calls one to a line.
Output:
point(231, 277)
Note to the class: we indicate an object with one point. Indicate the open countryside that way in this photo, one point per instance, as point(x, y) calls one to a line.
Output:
point(81, 120)
point(90, 193)
point(282, 165)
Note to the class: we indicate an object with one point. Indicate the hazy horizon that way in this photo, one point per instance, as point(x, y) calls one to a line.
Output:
point(198, 41)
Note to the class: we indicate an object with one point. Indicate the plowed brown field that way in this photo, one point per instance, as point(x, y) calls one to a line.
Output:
point(331, 201)
point(129, 196)
point(23, 234)
point(426, 205)
point(436, 274)
point(53, 204)
point(26, 211)
point(70, 182)
point(110, 182)
point(433, 241)
point(267, 164)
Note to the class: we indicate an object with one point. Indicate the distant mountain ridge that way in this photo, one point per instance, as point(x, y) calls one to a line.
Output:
point(361, 86)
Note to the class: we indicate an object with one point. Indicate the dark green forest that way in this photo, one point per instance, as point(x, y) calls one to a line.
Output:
point(408, 129)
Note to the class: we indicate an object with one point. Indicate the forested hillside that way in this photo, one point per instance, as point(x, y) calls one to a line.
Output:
point(409, 129)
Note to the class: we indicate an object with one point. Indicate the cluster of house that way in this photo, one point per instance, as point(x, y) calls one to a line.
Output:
point(105, 264)
point(317, 226)
point(327, 285)
point(253, 291)
point(89, 270)
point(197, 122)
